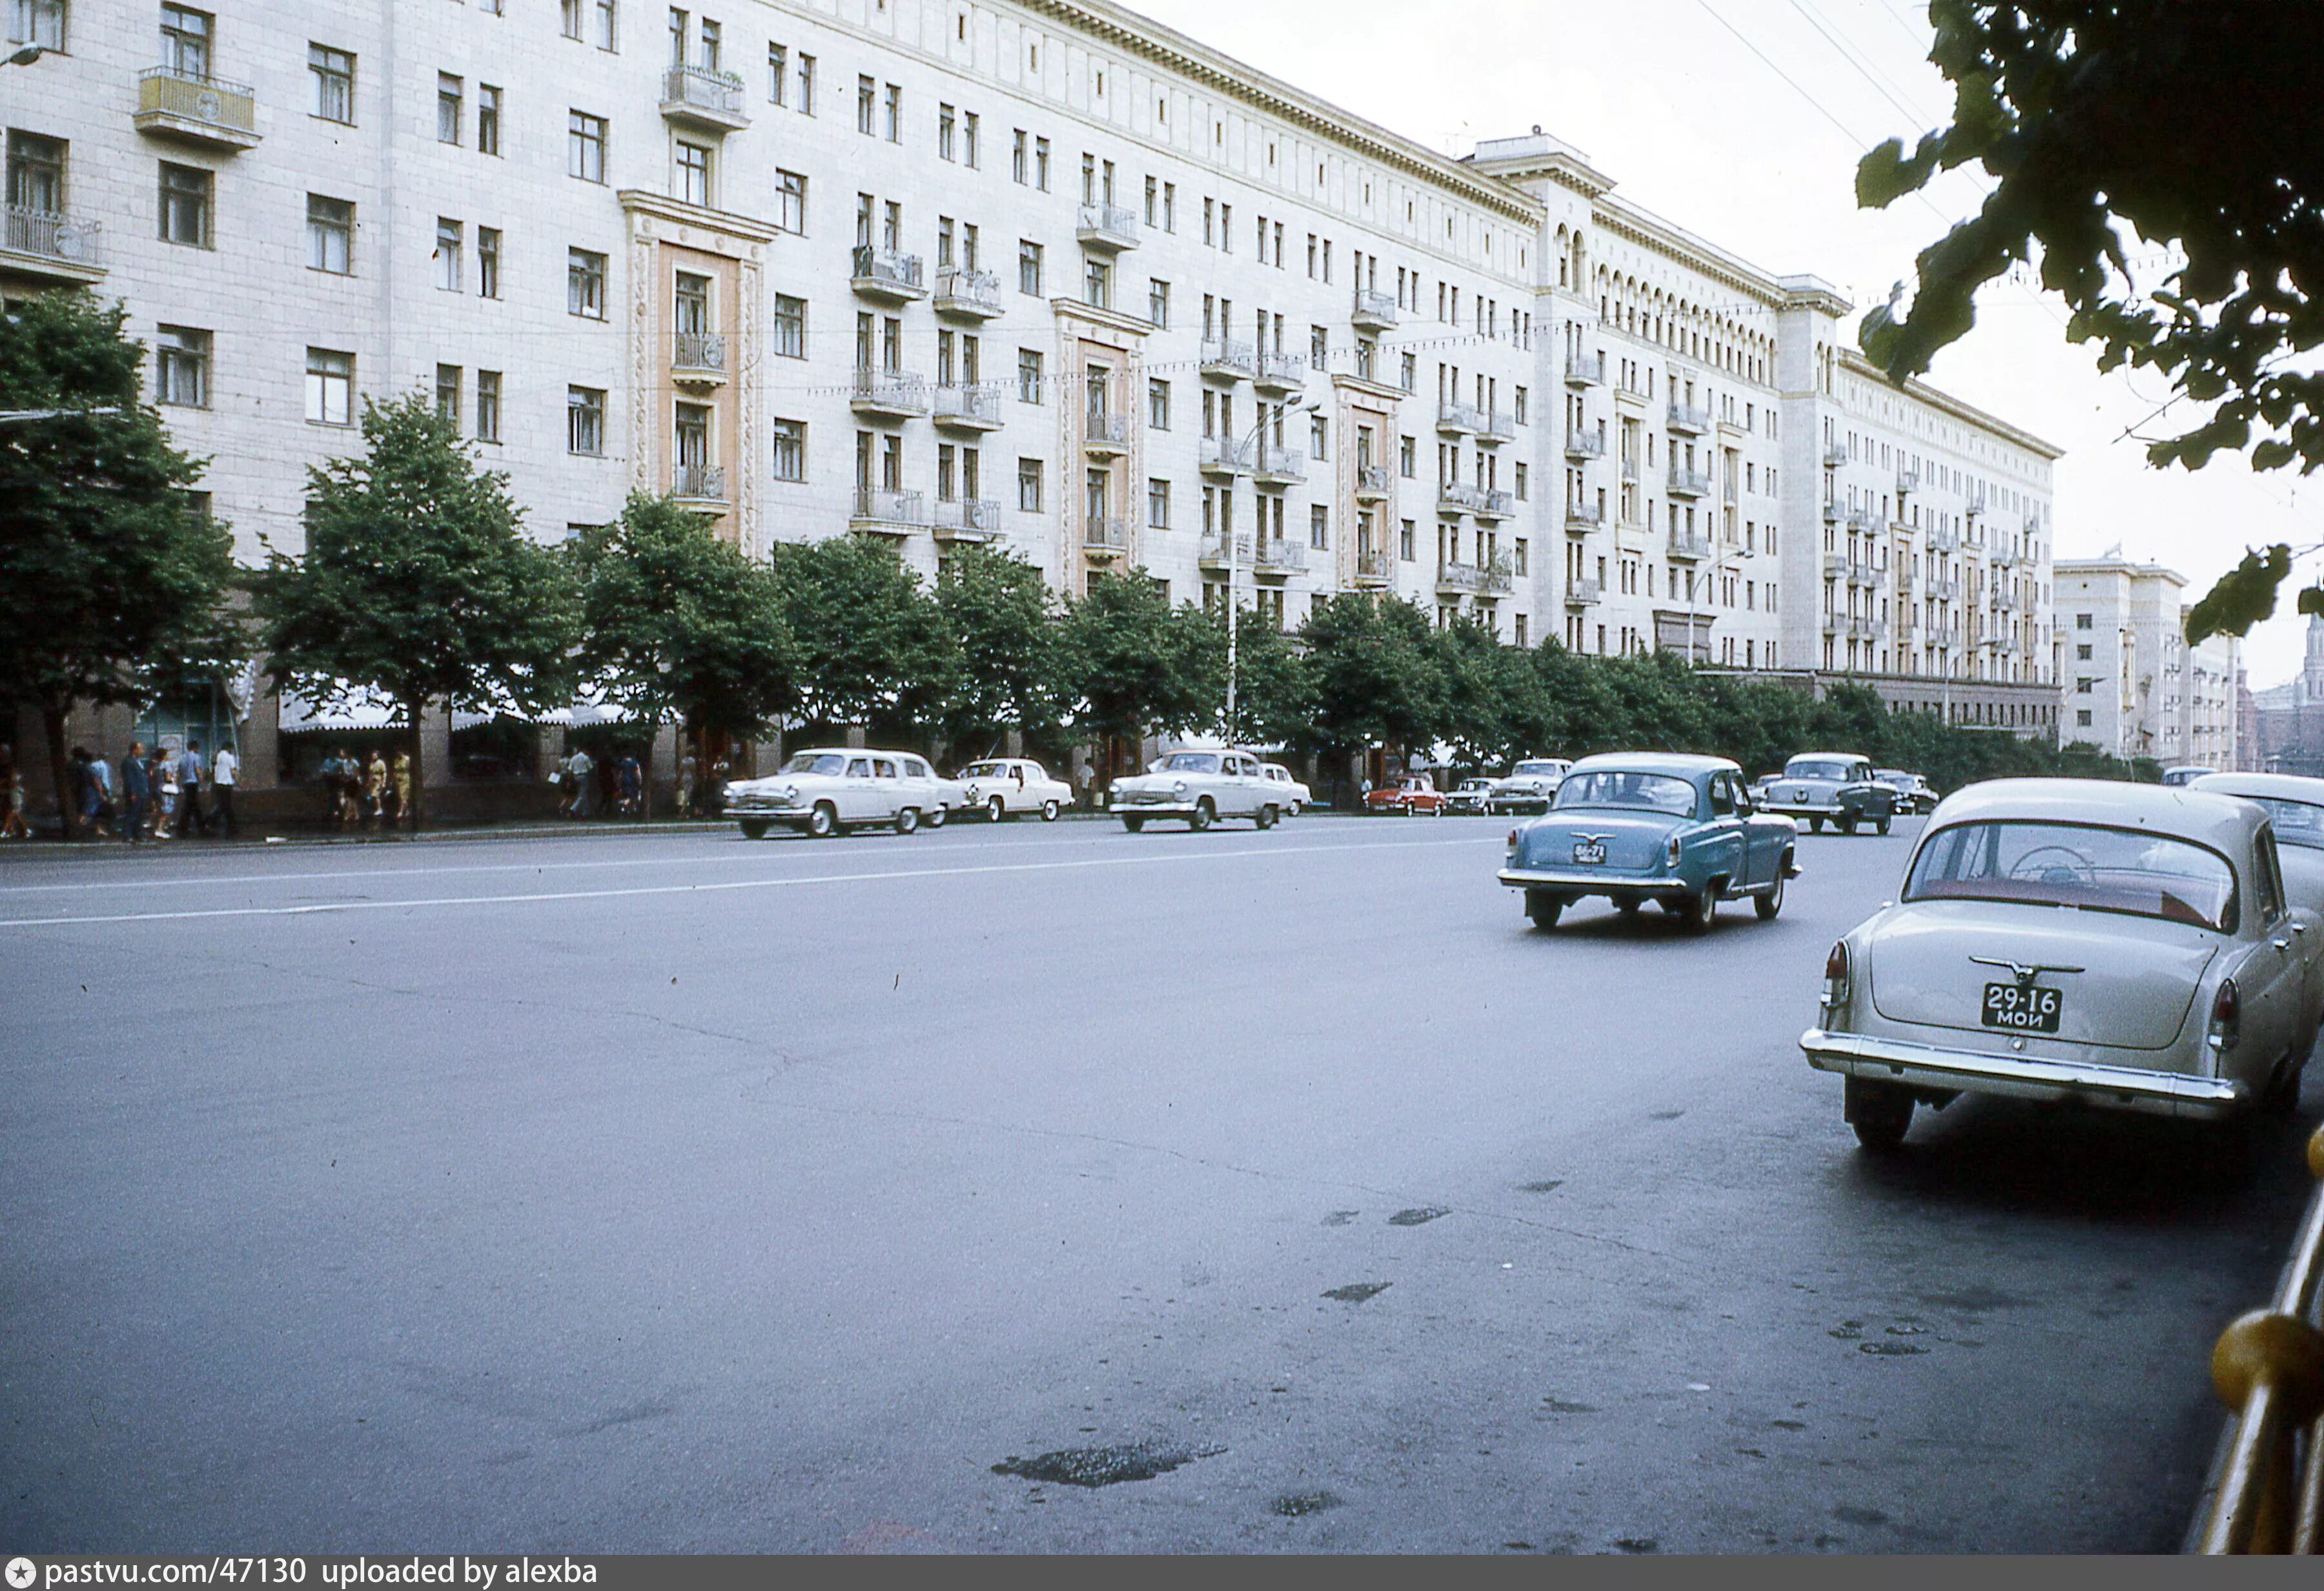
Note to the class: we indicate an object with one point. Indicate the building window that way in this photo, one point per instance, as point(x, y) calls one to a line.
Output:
point(1319, 527)
point(488, 119)
point(2082, 717)
point(1157, 505)
point(569, 17)
point(1097, 282)
point(585, 421)
point(185, 208)
point(330, 387)
point(585, 284)
point(2081, 622)
point(448, 394)
point(488, 262)
point(791, 450)
point(892, 110)
point(186, 41)
point(778, 71)
point(694, 173)
point(585, 146)
point(1028, 375)
point(1408, 456)
point(790, 202)
point(181, 367)
point(1520, 483)
point(1319, 436)
point(1029, 485)
point(947, 124)
point(37, 22)
point(1028, 268)
point(1041, 164)
point(605, 21)
point(2082, 653)
point(330, 84)
point(1017, 171)
point(1407, 538)
point(330, 234)
point(790, 326)
point(1157, 404)
point(488, 406)
point(447, 253)
point(448, 111)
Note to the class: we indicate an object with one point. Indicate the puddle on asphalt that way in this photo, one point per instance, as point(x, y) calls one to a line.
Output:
point(1357, 1292)
point(1848, 1330)
point(1341, 1217)
point(1105, 1467)
point(1551, 1186)
point(1559, 1406)
point(1298, 1504)
point(1891, 1349)
point(1419, 1216)
point(1637, 1544)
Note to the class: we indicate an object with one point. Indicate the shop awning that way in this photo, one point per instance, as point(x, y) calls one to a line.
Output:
point(360, 709)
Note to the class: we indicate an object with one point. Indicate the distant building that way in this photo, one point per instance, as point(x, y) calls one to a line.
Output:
point(2131, 685)
point(2288, 719)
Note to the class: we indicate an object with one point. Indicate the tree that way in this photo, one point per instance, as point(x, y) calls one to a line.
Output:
point(680, 624)
point(1132, 663)
point(112, 574)
point(2188, 124)
point(873, 647)
point(997, 610)
point(1378, 678)
point(1482, 691)
point(1274, 697)
point(418, 582)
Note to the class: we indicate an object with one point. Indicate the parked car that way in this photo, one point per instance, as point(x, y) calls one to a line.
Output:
point(1004, 786)
point(2295, 809)
point(2186, 773)
point(1199, 787)
point(826, 790)
point(2125, 945)
point(1832, 787)
point(1296, 796)
point(1913, 791)
point(1528, 787)
point(1407, 795)
point(1679, 830)
point(1468, 798)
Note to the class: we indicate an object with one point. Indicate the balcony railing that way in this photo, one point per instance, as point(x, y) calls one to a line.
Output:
point(1585, 370)
point(974, 408)
point(1944, 541)
point(1280, 466)
point(703, 96)
point(886, 273)
point(1279, 555)
point(45, 238)
point(698, 482)
point(962, 291)
point(1217, 550)
point(1584, 516)
point(1686, 417)
point(1833, 513)
point(1375, 480)
point(1496, 427)
point(1497, 577)
point(893, 392)
point(1944, 591)
point(1223, 456)
point(1863, 521)
point(1375, 567)
point(1223, 356)
point(877, 509)
point(1373, 310)
point(1281, 371)
point(1684, 545)
point(1106, 226)
point(1863, 629)
point(1108, 537)
point(186, 105)
point(1457, 497)
point(1686, 483)
point(1459, 578)
point(1907, 481)
point(1584, 444)
point(698, 353)
point(967, 518)
point(1457, 417)
point(1834, 457)
point(1583, 592)
point(1105, 433)
point(1493, 504)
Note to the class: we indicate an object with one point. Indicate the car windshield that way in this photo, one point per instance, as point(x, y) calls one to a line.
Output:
point(1190, 762)
point(1811, 768)
point(1614, 787)
point(1530, 769)
point(815, 762)
point(2297, 822)
point(2078, 865)
point(984, 771)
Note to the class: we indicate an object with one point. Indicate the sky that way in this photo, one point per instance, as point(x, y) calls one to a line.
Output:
point(1742, 121)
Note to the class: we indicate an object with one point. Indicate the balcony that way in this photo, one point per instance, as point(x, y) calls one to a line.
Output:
point(1835, 566)
point(1106, 436)
point(1584, 444)
point(1585, 370)
point(2000, 558)
point(1105, 538)
point(969, 408)
point(1457, 420)
point(1686, 483)
point(1863, 522)
point(1833, 513)
point(1375, 570)
point(1222, 456)
point(701, 96)
point(1457, 497)
point(198, 109)
point(1229, 360)
point(889, 513)
point(1278, 557)
point(1907, 482)
point(887, 275)
point(697, 359)
point(1835, 457)
point(44, 244)
point(1583, 593)
point(1582, 518)
point(1944, 591)
point(1944, 541)
point(1280, 466)
point(1496, 427)
point(1868, 577)
point(1687, 419)
point(1106, 226)
point(1373, 310)
point(1374, 482)
point(967, 518)
point(1217, 552)
point(1281, 373)
point(889, 394)
point(1686, 548)
point(973, 295)
point(1864, 629)
point(1496, 578)
point(698, 483)
point(1454, 579)
point(1493, 504)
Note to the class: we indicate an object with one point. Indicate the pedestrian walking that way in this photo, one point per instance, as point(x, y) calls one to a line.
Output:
point(581, 767)
point(136, 791)
point(713, 799)
point(189, 767)
point(402, 774)
point(108, 811)
point(1085, 780)
point(226, 768)
point(12, 797)
point(166, 817)
point(689, 773)
point(633, 788)
point(374, 789)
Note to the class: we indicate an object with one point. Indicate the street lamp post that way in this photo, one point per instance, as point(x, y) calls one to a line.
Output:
point(1717, 560)
point(1234, 572)
point(24, 57)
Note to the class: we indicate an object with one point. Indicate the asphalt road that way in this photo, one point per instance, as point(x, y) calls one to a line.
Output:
point(680, 1193)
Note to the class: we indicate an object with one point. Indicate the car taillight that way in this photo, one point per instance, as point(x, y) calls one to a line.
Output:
point(1835, 976)
point(1670, 852)
point(1512, 839)
point(2226, 1017)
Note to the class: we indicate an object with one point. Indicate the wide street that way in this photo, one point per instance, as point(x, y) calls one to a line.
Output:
point(674, 1192)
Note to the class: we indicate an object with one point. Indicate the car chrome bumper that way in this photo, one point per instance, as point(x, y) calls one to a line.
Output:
point(1580, 883)
point(2126, 1088)
point(1169, 809)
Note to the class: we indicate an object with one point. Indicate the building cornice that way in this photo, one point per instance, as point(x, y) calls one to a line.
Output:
point(1344, 382)
point(1129, 325)
point(1651, 231)
point(1853, 363)
point(637, 201)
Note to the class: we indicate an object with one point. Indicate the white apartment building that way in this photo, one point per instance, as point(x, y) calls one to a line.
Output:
point(2131, 685)
point(1032, 272)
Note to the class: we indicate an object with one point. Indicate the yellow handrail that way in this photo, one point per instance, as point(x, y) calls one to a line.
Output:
point(2269, 1368)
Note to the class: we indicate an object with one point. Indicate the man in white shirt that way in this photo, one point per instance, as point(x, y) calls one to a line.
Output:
point(223, 769)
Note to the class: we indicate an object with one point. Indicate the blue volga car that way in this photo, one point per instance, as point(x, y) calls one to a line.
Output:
point(1678, 831)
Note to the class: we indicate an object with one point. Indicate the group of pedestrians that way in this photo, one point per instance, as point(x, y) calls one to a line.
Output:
point(366, 790)
point(147, 796)
point(586, 788)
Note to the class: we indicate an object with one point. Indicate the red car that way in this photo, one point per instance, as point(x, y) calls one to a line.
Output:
point(1408, 796)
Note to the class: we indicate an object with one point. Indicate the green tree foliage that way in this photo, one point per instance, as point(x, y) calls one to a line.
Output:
point(873, 645)
point(1485, 684)
point(1378, 671)
point(111, 575)
point(2245, 595)
point(1274, 697)
point(1132, 665)
point(681, 625)
point(418, 582)
point(2186, 123)
point(998, 612)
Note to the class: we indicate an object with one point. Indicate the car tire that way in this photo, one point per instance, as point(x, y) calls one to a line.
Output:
point(755, 828)
point(1846, 826)
point(1769, 903)
point(1266, 817)
point(1048, 812)
point(996, 809)
point(1815, 825)
point(823, 823)
point(1134, 825)
point(936, 816)
point(908, 819)
point(1881, 1114)
point(1880, 825)
point(1697, 911)
point(1544, 909)
point(1628, 906)
point(1205, 815)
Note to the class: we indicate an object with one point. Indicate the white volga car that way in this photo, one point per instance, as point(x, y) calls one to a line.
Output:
point(1198, 788)
point(2295, 810)
point(824, 791)
point(2127, 946)
point(1529, 787)
point(1295, 794)
point(1004, 786)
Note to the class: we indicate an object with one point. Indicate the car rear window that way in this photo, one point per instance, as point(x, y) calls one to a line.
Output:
point(2093, 868)
point(1804, 769)
point(2297, 822)
point(1645, 791)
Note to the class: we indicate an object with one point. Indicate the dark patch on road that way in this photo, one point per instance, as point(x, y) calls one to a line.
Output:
point(1559, 1406)
point(1665, 1115)
point(1299, 1504)
point(1789, 1424)
point(1341, 1217)
point(1909, 1328)
point(1637, 1544)
point(1357, 1292)
point(1419, 1216)
point(1105, 1467)
point(1552, 1186)
point(629, 1416)
point(1848, 1513)
point(1890, 1349)
point(1848, 1330)
point(1976, 1300)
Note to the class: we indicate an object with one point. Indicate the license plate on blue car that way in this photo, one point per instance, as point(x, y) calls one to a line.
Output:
point(1590, 851)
